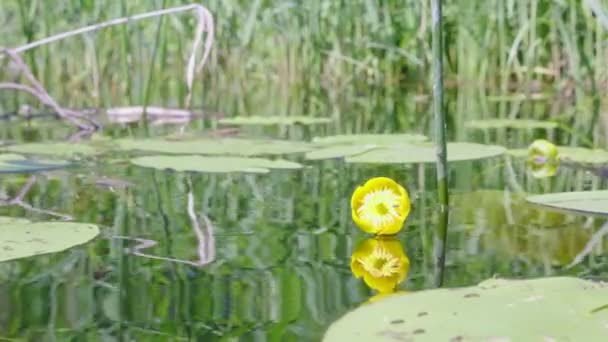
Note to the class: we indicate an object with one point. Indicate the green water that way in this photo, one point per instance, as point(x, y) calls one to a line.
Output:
point(280, 252)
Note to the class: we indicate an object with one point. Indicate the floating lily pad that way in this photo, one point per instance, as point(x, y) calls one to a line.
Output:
point(425, 153)
point(545, 309)
point(214, 164)
point(575, 154)
point(20, 238)
point(511, 123)
point(15, 163)
point(56, 149)
point(583, 155)
point(274, 120)
point(217, 146)
point(340, 151)
point(586, 202)
point(370, 139)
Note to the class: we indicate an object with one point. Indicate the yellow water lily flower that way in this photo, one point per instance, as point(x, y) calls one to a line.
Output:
point(543, 158)
point(380, 206)
point(381, 262)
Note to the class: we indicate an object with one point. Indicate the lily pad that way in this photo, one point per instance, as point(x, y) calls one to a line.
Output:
point(545, 309)
point(425, 153)
point(56, 149)
point(20, 238)
point(274, 120)
point(214, 164)
point(586, 202)
point(574, 154)
point(15, 163)
point(370, 139)
point(511, 123)
point(340, 151)
point(209, 146)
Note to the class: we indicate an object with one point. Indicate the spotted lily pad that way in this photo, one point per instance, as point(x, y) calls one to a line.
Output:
point(511, 123)
point(545, 309)
point(20, 238)
point(425, 153)
point(214, 164)
point(215, 146)
point(273, 120)
point(586, 202)
point(56, 149)
point(15, 163)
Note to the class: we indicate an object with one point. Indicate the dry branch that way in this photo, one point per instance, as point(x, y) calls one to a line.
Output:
point(205, 24)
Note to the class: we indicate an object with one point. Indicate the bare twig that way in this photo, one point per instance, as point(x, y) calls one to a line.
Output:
point(206, 241)
point(595, 239)
point(24, 190)
point(19, 201)
point(205, 23)
point(36, 89)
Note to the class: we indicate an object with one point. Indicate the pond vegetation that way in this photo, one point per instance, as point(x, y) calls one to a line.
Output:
point(253, 170)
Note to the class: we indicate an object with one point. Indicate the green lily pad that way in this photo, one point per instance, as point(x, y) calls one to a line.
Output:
point(209, 146)
point(511, 123)
point(586, 202)
point(214, 164)
point(425, 153)
point(583, 155)
point(273, 120)
point(574, 154)
point(341, 151)
point(56, 149)
point(15, 163)
point(20, 238)
point(370, 139)
point(545, 309)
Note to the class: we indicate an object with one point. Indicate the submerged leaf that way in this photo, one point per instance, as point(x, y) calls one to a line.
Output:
point(20, 238)
point(585, 202)
point(58, 149)
point(214, 164)
point(472, 313)
point(15, 163)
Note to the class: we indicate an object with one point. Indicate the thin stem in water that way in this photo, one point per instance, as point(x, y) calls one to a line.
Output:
point(440, 140)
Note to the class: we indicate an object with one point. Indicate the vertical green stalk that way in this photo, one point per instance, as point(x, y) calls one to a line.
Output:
point(442, 167)
point(151, 70)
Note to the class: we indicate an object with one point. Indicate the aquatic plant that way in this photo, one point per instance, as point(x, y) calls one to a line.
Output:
point(380, 206)
point(381, 262)
point(543, 158)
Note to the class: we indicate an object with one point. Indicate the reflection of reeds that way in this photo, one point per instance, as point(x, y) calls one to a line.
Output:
point(206, 240)
point(19, 200)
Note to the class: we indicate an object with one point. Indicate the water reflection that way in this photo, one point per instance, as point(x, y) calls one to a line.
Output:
point(381, 262)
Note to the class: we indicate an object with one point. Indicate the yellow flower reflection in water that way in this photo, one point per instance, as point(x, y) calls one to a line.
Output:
point(543, 158)
point(380, 206)
point(381, 262)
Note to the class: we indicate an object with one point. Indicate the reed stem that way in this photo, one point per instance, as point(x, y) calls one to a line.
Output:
point(440, 141)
